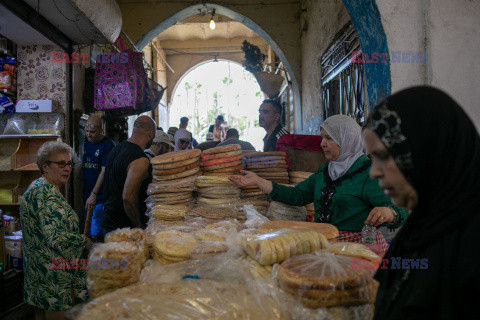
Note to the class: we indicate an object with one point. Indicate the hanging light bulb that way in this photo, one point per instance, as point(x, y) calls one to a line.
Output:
point(212, 23)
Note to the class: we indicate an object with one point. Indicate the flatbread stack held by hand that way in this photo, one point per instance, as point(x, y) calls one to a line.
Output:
point(216, 192)
point(135, 235)
point(268, 165)
point(199, 299)
point(324, 279)
point(113, 265)
point(222, 161)
point(327, 229)
point(173, 246)
point(280, 211)
point(297, 177)
point(274, 247)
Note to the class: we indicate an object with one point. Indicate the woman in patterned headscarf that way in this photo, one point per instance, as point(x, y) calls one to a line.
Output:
point(52, 243)
point(341, 190)
point(426, 155)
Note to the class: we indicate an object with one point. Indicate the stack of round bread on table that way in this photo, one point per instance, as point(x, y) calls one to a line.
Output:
point(174, 175)
point(214, 192)
point(297, 177)
point(268, 165)
point(222, 161)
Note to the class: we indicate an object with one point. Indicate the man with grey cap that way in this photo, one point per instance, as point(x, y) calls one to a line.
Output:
point(161, 144)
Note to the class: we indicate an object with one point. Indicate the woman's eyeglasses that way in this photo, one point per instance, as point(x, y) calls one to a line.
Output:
point(183, 141)
point(62, 164)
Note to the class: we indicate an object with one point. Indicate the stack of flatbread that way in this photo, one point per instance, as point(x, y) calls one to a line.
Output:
point(174, 176)
point(222, 161)
point(173, 246)
point(297, 177)
point(280, 211)
point(271, 248)
point(254, 196)
point(216, 192)
point(326, 280)
point(327, 229)
point(136, 236)
point(268, 165)
point(113, 265)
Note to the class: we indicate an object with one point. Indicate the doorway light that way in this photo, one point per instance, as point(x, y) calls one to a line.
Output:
point(212, 23)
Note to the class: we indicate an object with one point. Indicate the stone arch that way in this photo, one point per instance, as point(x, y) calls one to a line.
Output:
point(194, 9)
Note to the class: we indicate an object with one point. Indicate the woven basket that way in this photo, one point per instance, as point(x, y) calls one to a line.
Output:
point(270, 83)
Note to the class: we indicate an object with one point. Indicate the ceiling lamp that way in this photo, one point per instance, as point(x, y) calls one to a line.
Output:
point(212, 23)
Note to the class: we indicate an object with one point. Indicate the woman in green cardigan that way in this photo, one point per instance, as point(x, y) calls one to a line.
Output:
point(341, 190)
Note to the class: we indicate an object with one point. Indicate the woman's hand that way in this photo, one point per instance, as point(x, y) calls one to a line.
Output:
point(248, 178)
point(251, 179)
point(380, 215)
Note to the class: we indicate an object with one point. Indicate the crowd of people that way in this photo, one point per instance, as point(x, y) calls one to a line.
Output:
point(421, 173)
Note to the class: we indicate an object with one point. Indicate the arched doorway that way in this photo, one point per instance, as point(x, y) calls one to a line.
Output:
point(193, 10)
point(213, 88)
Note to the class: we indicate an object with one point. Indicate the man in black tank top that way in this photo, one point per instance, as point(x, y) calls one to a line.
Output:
point(127, 176)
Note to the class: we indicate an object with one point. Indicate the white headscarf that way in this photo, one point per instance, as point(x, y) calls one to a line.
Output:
point(346, 133)
point(181, 134)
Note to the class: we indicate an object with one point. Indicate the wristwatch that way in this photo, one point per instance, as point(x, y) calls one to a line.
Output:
point(395, 215)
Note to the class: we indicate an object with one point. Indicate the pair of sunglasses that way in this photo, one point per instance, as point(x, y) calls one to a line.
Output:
point(62, 164)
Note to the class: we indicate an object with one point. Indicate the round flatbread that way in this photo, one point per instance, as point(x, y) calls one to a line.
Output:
point(269, 169)
point(175, 156)
point(222, 166)
point(221, 149)
point(214, 161)
point(164, 172)
point(177, 164)
point(269, 153)
point(174, 244)
point(174, 176)
point(252, 168)
point(272, 174)
point(300, 174)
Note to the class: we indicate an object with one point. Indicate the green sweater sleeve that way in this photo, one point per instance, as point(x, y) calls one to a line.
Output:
point(374, 195)
point(300, 195)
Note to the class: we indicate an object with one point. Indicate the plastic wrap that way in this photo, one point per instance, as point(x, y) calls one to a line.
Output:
point(324, 279)
point(356, 250)
point(212, 212)
point(136, 235)
point(280, 211)
point(223, 191)
point(113, 265)
point(173, 246)
point(15, 126)
point(174, 186)
point(206, 249)
point(254, 218)
point(167, 212)
point(184, 299)
point(170, 198)
point(278, 246)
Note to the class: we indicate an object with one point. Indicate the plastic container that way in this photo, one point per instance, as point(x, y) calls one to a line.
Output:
point(369, 234)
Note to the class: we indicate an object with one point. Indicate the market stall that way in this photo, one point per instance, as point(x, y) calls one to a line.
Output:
point(202, 258)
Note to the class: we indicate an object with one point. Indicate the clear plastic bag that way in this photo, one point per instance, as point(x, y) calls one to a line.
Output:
point(15, 126)
point(254, 218)
point(278, 246)
point(135, 235)
point(113, 265)
point(280, 211)
point(324, 279)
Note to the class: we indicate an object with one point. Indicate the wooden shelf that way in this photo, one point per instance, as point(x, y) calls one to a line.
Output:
point(13, 136)
point(10, 204)
point(19, 170)
point(8, 92)
point(7, 53)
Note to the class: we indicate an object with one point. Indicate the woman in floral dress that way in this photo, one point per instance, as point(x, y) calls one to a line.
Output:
point(52, 243)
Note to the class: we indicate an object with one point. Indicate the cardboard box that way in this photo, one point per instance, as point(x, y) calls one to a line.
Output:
point(36, 106)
